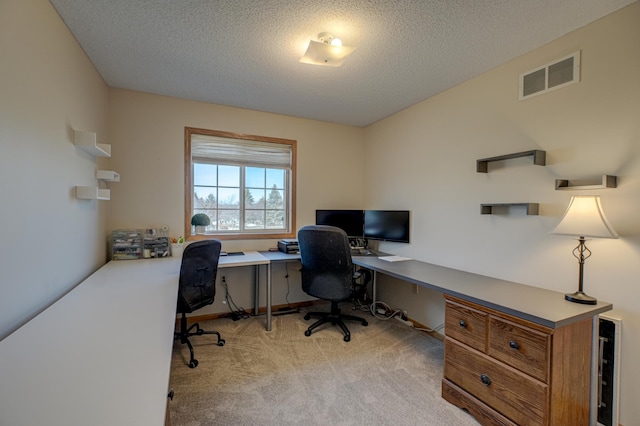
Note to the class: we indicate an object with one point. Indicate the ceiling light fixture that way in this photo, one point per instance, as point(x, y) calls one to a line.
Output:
point(328, 50)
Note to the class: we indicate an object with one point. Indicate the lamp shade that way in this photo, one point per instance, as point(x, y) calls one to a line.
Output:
point(585, 218)
point(319, 53)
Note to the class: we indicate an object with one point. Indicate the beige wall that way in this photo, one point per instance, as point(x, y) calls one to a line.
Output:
point(50, 240)
point(147, 134)
point(424, 159)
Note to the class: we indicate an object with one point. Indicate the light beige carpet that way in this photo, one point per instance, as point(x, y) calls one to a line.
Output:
point(389, 374)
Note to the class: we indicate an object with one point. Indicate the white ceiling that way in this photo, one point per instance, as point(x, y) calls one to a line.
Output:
point(245, 53)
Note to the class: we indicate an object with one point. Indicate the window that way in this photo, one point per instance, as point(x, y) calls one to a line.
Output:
point(245, 184)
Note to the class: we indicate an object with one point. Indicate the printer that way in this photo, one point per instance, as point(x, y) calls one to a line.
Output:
point(288, 246)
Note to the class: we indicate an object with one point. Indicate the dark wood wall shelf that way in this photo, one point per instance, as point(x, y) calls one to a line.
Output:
point(607, 181)
point(531, 208)
point(539, 159)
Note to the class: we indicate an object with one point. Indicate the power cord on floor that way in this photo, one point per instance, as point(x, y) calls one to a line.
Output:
point(286, 277)
point(237, 313)
point(430, 330)
point(286, 310)
point(360, 296)
point(384, 312)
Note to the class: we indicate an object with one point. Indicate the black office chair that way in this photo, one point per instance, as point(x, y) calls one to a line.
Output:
point(327, 273)
point(197, 288)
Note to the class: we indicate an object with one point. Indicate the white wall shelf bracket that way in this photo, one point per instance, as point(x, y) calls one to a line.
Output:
point(92, 193)
point(88, 141)
point(108, 175)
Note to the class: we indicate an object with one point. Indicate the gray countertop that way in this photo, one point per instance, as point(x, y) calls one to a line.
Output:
point(541, 306)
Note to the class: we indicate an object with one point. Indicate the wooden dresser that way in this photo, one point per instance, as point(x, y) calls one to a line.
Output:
point(509, 371)
point(515, 354)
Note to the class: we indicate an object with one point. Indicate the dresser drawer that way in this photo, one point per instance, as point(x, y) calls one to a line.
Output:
point(466, 324)
point(521, 347)
point(510, 392)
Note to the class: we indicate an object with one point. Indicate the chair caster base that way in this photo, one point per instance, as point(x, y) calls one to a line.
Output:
point(334, 317)
point(194, 330)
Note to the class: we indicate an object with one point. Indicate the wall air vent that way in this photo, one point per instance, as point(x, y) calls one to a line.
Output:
point(559, 73)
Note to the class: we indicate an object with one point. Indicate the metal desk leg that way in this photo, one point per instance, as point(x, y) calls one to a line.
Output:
point(268, 296)
point(373, 290)
point(256, 291)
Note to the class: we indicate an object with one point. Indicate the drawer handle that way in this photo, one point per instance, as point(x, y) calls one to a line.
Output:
point(485, 380)
point(514, 345)
point(463, 324)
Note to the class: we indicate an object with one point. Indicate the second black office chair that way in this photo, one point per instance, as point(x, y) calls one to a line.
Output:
point(197, 288)
point(327, 273)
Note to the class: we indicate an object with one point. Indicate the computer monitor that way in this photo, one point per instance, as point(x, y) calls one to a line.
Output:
point(387, 225)
point(350, 221)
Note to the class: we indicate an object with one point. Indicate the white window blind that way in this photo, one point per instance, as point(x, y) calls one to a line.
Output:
point(237, 151)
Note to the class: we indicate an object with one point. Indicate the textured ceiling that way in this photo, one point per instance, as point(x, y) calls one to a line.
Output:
point(245, 53)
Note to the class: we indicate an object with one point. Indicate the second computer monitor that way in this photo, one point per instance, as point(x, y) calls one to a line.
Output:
point(387, 225)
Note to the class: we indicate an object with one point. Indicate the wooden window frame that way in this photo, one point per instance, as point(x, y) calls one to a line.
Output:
point(188, 187)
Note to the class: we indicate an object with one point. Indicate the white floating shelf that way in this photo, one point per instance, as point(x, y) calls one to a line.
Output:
point(607, 181)
point(92, 193)
point(108, 175)
point(88, 141)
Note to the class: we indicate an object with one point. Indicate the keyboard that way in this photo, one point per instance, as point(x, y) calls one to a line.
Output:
point(361, 252)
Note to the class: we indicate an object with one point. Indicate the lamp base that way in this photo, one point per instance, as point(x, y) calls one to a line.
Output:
point(580, 297)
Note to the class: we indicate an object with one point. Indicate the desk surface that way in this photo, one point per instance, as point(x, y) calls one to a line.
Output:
point(249, 258)
point(545, 307)
point(278, 256)
point(542, 306)
point(101, 355)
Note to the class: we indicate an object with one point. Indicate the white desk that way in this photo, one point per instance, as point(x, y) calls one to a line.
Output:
point(252, 258)
point(101, 355)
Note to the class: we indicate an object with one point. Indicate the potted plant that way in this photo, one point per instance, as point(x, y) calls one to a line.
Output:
point(200, 221)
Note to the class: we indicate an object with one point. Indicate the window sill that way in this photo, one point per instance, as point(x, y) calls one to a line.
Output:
point(223, 237)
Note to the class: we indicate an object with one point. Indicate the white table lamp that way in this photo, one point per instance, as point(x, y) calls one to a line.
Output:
point(584, 218)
